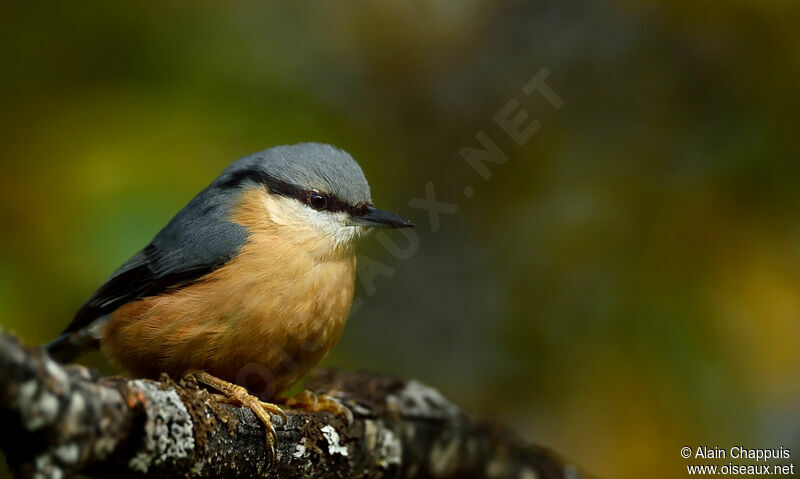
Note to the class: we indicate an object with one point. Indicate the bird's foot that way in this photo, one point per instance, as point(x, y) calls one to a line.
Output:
point(309, 401)
point(236, 395)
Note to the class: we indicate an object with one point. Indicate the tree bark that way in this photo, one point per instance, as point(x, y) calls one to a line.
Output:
point(62, 420)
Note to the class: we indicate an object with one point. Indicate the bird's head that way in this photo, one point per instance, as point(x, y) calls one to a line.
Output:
point(311, 190)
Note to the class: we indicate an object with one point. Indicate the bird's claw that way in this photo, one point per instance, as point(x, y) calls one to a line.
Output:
point(309, 401)
point(238, 396)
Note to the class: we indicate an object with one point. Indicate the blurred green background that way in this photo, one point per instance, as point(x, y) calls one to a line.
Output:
point(627, 284)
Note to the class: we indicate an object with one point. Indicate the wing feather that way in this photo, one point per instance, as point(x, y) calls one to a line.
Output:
point(198, 240)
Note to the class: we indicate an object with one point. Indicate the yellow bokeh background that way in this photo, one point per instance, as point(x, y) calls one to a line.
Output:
point(625, 285)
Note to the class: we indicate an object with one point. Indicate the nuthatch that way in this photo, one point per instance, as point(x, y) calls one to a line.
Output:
point(255, 274)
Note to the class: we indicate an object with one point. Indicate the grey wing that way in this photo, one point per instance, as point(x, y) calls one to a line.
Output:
point(186, 250)
point(197, 241)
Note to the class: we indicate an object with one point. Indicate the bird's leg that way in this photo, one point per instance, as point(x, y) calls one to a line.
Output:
point(309, 401)
point(236, 395)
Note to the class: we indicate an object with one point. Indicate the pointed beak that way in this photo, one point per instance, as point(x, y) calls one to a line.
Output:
point(371, 216)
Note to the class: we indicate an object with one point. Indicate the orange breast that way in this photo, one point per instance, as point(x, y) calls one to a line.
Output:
point(262, 320)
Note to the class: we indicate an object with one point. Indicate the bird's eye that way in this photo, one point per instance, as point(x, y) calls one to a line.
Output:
point(317, 201)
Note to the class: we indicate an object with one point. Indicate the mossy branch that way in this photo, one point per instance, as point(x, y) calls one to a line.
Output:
point(63, 420)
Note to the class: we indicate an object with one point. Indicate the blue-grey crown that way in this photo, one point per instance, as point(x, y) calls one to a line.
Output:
point(295, 170)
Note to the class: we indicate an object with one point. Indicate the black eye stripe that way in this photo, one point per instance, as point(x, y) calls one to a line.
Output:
point(334, 204)
point(358, 210)
point(278, 187)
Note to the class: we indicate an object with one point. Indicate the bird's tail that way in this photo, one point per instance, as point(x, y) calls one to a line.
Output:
point(62, 349)
point(70, 345)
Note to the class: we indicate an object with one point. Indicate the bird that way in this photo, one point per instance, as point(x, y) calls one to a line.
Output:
point(252, 280)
